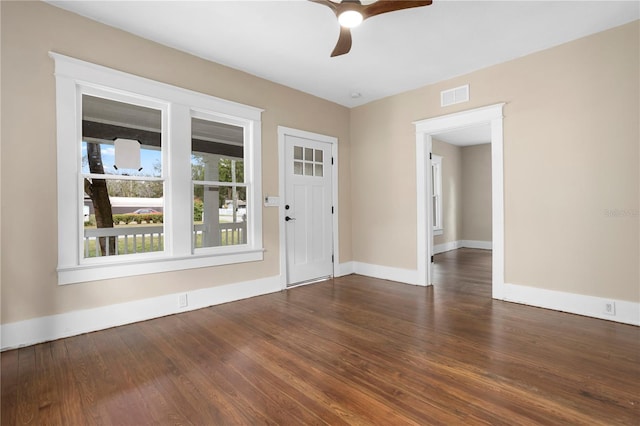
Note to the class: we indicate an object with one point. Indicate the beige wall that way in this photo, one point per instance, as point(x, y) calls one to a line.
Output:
point(476, 192)
point(29, 223)
point(571, 147)
point(571, 138)
point(452, 204)
point(466, 192)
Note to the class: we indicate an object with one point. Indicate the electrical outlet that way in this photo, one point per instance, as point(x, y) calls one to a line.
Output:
point(610, 307)
point(182, 301)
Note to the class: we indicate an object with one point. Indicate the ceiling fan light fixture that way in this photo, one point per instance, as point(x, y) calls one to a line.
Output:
point(350, 18)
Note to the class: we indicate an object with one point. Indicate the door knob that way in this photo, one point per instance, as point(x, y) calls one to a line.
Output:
point(287, 218)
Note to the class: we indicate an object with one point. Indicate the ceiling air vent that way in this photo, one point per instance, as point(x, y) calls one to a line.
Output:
point(454, 96)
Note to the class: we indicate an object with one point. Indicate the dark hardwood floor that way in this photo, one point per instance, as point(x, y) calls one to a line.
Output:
point(354, 350)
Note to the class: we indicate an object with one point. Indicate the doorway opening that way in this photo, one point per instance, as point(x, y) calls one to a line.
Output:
point(461, 188)
point(426, 130)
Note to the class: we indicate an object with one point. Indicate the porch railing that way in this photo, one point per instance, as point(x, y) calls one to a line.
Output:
point(143, 239)
point(230, 234)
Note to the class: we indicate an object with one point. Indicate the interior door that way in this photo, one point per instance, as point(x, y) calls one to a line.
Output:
point(308, 210)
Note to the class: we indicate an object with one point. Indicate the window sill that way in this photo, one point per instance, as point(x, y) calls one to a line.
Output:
point(438, 231)
point(85, 273)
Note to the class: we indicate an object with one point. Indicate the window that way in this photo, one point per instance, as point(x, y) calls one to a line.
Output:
point(151, 177)
point(436, 190)
point(122, 176)
point(219, 186)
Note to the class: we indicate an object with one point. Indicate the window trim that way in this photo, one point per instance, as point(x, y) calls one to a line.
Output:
point(72, 76)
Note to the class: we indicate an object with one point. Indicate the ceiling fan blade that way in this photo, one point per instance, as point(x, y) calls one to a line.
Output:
point(384, 6)
point(327, 3)
point(344, 43)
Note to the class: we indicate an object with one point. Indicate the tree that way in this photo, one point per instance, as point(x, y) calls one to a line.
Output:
point(136, 188)
point(197, 173)
point(97, 190)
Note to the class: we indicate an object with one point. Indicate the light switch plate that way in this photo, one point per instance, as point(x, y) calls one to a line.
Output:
point(271, 201)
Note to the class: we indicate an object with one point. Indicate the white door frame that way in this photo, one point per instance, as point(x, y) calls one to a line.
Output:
point(282, 133)
point(424, 130)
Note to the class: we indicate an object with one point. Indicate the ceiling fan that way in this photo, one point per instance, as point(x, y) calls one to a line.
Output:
point(351, 13)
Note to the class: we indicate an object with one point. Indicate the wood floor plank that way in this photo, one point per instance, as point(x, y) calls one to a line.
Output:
point(27, 407)
point(88, 378)
point(48, 393)
point(9, 386)
point(205, 366)
point(353, 350)
point(344, 369)
point(67, 390)
point(127, 393)
point(157, 372)
point(333, 394)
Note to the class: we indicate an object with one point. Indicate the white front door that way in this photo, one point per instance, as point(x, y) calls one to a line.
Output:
point(308, 209)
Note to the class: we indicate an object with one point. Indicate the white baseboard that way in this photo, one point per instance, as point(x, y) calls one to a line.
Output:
point(38, 330)
point(43, 329)
point(441, 248)
point(625, 312)
point(342, 269)
point(407, 276)
point(454, 245)
point(474, 244)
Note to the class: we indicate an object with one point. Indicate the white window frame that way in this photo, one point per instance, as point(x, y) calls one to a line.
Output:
point(436, 169)
point(75, 77)
point(216, 250)
point(163, 107)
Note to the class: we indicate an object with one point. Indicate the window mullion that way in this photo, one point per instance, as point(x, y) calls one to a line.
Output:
point(179, 198)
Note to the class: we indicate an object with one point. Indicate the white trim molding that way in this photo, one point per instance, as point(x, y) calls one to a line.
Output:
point(625, 312)
point(444, 247)
point(491, 115)
point(44, 329)
point(406, 276)
point(476, 244)
point(454, 245)
point(342, 269)
point(594, 307)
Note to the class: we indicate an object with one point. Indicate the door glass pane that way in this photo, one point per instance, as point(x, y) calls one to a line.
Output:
point(318, 156)
point(297, 167)
point(308, 169)
point(318, 171)
point(297, 153)
point(308, 154)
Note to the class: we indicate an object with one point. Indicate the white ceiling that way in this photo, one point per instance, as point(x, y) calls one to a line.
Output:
point(289, 41)
point(467, 136)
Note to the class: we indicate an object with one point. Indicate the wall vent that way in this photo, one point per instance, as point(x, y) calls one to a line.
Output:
point(454, 96)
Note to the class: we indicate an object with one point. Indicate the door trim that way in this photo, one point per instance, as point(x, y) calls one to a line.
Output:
point(491, 114)
point(282, 133)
